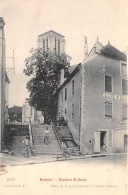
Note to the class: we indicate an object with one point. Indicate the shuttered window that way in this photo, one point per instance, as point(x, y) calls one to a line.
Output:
point(108, 83)
point(43, 45)
point(108, 109)
point(65, 94)
point(123, 69)
point(124, 112)
point(55, 44)
point(47, 43)
point(61, 96)
point(124, 86)
point(72, 87)
point(58, 46)
point(72, 111)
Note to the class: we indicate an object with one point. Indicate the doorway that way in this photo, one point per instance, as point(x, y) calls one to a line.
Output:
point(100, 141)
point(125, 142)
point(103, 140)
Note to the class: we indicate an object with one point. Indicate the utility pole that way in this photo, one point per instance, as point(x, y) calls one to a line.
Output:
point(13, 61)
point(13, 58)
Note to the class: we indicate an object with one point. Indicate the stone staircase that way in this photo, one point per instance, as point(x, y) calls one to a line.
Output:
point(39, 146)
point(66, 136)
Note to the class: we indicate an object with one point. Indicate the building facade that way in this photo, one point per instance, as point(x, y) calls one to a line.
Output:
point(29, 113)
point(69, 101)
point(2, 80)
point(96, 103)
point(7, 82)
point(103, 101)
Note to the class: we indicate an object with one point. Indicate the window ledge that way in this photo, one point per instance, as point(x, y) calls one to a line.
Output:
point(108, 118)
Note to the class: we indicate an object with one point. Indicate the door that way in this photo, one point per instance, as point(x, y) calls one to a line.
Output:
point(126, 143)
point(96, 142)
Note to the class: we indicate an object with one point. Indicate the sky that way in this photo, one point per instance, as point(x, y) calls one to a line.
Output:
point(26, 19)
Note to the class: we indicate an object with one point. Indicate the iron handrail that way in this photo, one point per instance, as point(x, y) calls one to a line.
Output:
point(56, 133)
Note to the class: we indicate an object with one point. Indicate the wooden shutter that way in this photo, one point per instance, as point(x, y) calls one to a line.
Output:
point(108, 109)
point(124, 112)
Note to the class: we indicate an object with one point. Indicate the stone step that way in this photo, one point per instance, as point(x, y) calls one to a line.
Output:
point(41, 127)
point(36, 133)
point(47, 147)
point(39, 132)
point(38, 138)
point(42, 142)
point(74, 150)
point(47, 152)
point(42, 138)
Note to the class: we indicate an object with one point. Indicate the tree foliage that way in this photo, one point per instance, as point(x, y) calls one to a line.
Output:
point(45, 70)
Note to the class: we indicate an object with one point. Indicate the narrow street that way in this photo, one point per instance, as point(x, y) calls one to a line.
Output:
point(103, 175)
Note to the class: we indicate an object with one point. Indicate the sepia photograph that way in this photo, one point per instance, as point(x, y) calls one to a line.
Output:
point(63, 97)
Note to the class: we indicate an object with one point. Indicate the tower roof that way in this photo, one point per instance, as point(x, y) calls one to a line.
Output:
point(51, 31)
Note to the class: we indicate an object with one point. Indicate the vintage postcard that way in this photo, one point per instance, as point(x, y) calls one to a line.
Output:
point(63, 97)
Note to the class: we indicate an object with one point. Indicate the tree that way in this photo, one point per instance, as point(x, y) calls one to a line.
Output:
point(45, 68)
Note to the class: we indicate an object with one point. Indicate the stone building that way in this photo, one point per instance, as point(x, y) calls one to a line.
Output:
point(29, 113)
point(93, 100)
point(7, 82)
point(2, 80)
point(68, 97)
point(51, 41)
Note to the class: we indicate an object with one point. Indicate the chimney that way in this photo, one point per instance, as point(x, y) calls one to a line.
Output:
point(85, 48)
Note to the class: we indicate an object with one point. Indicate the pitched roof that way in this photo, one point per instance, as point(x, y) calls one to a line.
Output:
point(6, 78)
point(50, 32)
point(112, 52)
point(72, 68)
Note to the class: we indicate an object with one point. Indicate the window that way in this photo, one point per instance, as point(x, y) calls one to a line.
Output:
point(124, 111)
point(72, 87)
point(65, 94)
point(65, 111)
point(123, 69)
point(31, 111)
point(58, 46)
point(47, 43)
point(55, 44)
point(72, 111)
point(108, 83)
point(108, 109)
point(124, 86)
point(62, 96)
point(43, 45)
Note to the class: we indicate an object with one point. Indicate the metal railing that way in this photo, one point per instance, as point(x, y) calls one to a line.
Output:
point(56, 133)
